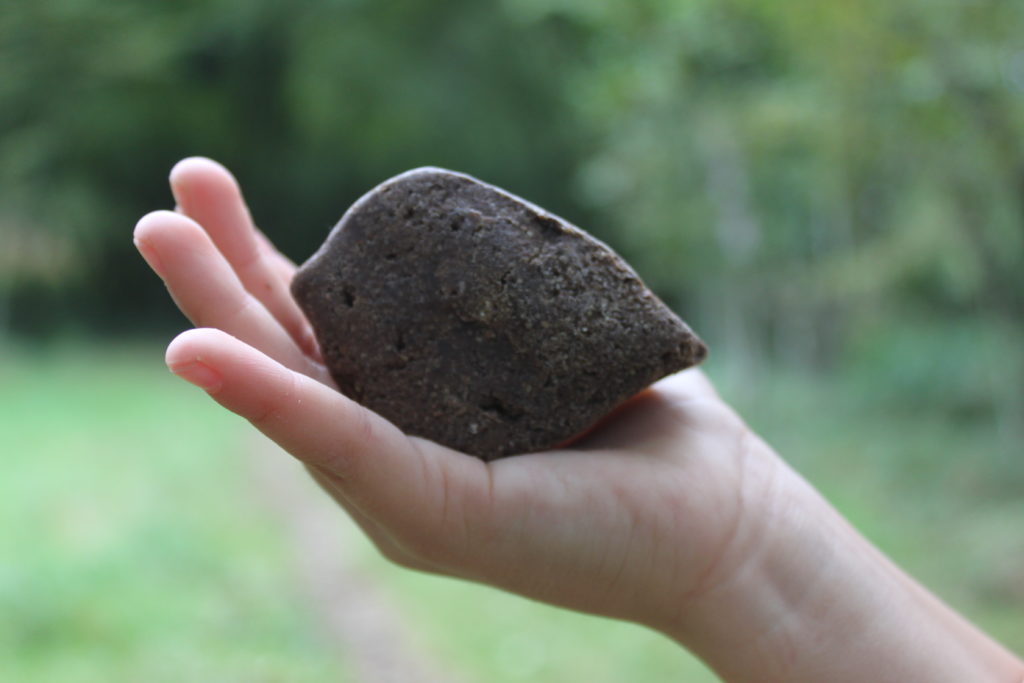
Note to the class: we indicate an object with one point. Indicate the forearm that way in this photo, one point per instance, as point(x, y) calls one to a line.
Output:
point(814, 601)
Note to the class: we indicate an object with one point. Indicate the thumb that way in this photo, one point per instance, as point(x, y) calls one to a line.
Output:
point(419, 491)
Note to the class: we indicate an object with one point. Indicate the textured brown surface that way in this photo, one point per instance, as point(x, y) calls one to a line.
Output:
point(468, 316)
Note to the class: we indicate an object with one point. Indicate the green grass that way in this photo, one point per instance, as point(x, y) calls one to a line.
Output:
point(502, 638)
point(134, 546)
point(131, 548)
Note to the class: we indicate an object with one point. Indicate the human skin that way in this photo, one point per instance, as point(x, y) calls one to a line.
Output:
point(671, 513)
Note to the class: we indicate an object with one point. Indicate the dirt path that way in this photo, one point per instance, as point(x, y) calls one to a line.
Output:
point(357, 612)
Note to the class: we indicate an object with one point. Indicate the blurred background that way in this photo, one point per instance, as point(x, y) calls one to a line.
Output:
point(831, 193)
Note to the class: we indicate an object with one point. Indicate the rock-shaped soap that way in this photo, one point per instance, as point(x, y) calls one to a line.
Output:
point(473, 318)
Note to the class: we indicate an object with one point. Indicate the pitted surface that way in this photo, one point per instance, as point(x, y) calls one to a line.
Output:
point(471, 317)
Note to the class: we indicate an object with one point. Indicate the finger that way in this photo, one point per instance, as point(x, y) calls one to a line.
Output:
point(283, 266)
point(209, 293)
point(284, 269)
point(208, 193)
point(421, 493)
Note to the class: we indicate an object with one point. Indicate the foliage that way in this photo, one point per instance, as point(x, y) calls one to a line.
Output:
point(802, 181)
point(310, 103)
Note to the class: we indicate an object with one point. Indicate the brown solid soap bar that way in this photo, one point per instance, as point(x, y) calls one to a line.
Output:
point(471, 317)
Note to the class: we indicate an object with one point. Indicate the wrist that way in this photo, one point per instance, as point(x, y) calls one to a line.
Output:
point(752, 597)
point(799, 595)
point(776, 593)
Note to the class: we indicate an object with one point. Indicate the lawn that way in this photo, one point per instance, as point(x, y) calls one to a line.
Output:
point(130, 548)
point(135, 544)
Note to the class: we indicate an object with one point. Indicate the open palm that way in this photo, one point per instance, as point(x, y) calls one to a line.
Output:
point(632, 520)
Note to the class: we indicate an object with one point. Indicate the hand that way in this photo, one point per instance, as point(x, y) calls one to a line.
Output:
point(648, 499)
point(671, 513)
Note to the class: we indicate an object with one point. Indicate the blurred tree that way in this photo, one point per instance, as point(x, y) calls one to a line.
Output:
point(797, 179)
point(311, 103)
point(815, 172)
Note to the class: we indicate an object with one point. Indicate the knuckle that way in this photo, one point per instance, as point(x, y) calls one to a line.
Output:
point(273, 407)
point(265, 414)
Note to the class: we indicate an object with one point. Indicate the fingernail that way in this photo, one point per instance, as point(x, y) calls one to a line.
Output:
point(149, 254)
point(199, 374)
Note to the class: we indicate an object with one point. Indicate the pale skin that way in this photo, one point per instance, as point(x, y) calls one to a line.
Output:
point(671, 513)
